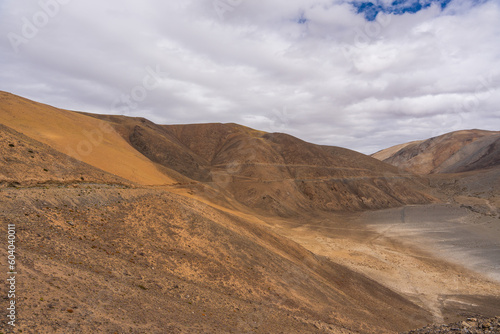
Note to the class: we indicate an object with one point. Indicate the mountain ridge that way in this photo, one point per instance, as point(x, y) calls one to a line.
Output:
point(140, 252)
point(130, 226)
point(454, 152)
point(238, 160)
point(270, 172)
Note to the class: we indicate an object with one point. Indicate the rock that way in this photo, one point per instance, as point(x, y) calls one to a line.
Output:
point(486, 325)
point(471, 326)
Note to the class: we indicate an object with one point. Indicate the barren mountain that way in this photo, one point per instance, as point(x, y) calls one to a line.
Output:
point(272, 172)
point(83, 138)
point(454, 152)
point(463, 165)
point(124, 225)
point(27, 162)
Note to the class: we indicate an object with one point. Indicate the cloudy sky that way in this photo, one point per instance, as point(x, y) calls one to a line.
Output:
point(361, 75)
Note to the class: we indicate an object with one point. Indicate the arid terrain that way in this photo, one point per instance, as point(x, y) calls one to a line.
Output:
point(127, 226)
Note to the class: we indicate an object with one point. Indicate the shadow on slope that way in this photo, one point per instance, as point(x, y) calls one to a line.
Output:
point(274, 173)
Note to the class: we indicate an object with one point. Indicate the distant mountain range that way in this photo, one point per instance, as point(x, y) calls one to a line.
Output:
point(455, 152)
point(464, 166)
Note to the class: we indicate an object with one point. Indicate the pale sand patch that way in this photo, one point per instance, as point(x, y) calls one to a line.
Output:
point(409, 258)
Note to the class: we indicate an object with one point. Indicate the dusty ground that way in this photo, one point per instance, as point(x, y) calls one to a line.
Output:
point(452, 232)
point(182, 229)
point(112, 259)
point(442, 257)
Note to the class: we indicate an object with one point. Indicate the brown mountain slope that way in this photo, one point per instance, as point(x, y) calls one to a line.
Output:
point(27, 162)
point(272, 172)
point(97, 258)
point(84, 138)
point(147, 261)
point(454, 152)
point(389, 152)
point(463, 167)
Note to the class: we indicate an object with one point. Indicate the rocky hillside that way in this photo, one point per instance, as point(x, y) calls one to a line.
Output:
point(28, 162)
point(99, 252)
point(455, 152)
point(471, 326)
point(272, 172)
point(100, 258)
point(463, 167)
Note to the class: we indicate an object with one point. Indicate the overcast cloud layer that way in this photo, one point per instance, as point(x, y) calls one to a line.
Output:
point(316, 69)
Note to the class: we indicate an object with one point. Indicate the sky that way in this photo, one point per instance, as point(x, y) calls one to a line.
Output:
point(357, 74)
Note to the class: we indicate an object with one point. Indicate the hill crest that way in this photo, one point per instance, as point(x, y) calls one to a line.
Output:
point(270, 172)
point(454, 152)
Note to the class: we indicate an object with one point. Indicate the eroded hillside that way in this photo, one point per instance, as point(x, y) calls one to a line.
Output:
point(272, 172)
point(463, 167)
point(203, 228)
point(454, 152)
point(109, 259)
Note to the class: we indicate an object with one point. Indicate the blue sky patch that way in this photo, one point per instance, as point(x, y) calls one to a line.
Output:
point(301, 19)
point(370, 9)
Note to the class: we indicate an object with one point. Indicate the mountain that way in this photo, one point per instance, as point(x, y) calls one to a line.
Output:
point(27, 162)
point(81, 137)
point(463, 166)
point(129, 226)
point(454, 152)
point(272, 172)
point(124, 225)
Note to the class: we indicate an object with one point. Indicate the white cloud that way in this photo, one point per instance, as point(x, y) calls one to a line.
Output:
point(333, 79)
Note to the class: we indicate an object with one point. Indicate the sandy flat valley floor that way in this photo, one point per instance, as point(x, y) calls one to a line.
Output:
point(443, 257)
